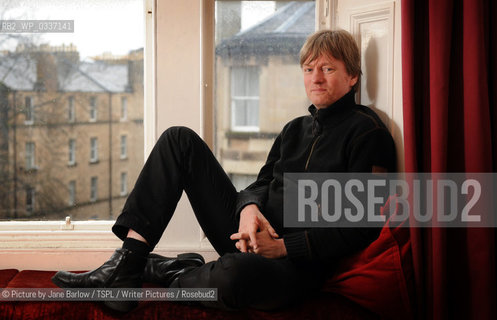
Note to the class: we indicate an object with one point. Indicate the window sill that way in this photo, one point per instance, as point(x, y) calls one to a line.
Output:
point(250, 135)
point(62, 234)
point(31, 169)
point(84, 245)
point(248, 129)
point(57, 234)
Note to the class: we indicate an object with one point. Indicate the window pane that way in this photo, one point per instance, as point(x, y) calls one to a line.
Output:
point(259, 85)
point(124, 108)
point(30, 155)
point(124, 183)
point(241, 181)
point(72, 151)
point(245, 81)
point(238, 112)
point(93, 150)
point(124, 147)
point(93, 109)
point(63, 97)
point(70, 106)
point(28, 105)
point(93, 189)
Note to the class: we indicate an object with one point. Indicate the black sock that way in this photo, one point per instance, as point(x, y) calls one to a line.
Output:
point(137, 246)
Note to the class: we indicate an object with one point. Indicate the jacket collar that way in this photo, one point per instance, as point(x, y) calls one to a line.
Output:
point(332, 114)
point(340, 106)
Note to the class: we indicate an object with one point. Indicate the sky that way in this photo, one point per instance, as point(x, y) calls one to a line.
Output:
point(100, 26)
point(255, 11)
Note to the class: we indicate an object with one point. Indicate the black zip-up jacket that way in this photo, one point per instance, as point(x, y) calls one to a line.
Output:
point(343, 137)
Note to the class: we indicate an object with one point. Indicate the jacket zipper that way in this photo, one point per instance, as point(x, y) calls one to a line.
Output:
point(310, 153)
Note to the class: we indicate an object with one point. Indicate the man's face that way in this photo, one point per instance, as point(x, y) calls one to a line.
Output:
point(326, 80)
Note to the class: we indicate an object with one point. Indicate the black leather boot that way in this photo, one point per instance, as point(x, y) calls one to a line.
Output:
point(124, 269)
point(163, 270)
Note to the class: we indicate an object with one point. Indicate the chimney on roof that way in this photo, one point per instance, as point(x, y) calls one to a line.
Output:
point(135, 71)
point(46, 71)
point(68, 52)
point(67, 58)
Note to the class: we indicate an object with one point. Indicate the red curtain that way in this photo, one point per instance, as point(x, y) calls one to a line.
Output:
point(450, 125)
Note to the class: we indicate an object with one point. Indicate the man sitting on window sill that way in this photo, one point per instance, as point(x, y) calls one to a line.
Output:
point(262, 264)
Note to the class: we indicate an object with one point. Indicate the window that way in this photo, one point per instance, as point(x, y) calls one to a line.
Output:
point(30, 156)
point(124, 183)
point(29, 109)
point(72, 193)
point(245, 98)
point(61, 86)
point(154, 116)
point(93, 109)
point(124, 108)
point(71, 112)
point(124, 147)
point(241, 181)
point(93, 150)
point(258, 84)
point(30, 199)
point(93, 189)
point(72, 152)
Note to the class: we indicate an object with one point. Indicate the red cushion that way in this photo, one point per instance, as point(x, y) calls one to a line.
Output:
point(6, 308)
point(379, 277)
point(6, 275)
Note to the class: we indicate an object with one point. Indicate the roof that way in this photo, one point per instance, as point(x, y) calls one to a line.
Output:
point(282, 33)
point(96, 77)
point(18, 72)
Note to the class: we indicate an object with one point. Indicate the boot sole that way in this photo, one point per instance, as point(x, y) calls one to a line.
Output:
point(181, 256)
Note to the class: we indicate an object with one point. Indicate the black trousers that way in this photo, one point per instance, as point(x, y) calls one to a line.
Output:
point(181, 161)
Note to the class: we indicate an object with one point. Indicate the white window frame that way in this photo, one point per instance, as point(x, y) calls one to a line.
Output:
point(124, 147)
point(71, 110)
point(94, 189)
point(93, 109)
point(30, 156)
point(29, 110)
point(235, 126)
point(80, 245)
point(124, 108)
point(72, 152)
point(93, 149)
point(124, 184)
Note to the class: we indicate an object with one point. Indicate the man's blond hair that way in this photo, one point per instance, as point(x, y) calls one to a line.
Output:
point(339, 44)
